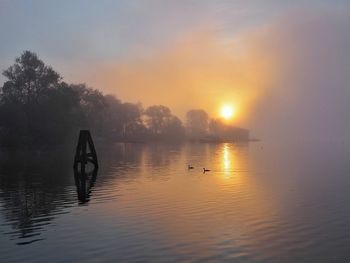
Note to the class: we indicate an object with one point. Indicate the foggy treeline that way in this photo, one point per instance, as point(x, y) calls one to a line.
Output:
point(38, 108)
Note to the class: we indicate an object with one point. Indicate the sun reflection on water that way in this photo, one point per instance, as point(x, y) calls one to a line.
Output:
point(158, 194)
point(227, 160)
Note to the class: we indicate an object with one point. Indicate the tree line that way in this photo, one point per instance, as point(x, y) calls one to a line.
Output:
point(38, 108)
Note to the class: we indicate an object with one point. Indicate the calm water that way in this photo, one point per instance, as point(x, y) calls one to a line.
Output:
point(259, 203)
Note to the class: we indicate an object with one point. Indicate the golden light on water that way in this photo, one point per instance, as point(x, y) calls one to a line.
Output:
point(223, 191)
point(226, 161)
point(227, 111)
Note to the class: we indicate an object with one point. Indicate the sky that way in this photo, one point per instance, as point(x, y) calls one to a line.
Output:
point(283, 65)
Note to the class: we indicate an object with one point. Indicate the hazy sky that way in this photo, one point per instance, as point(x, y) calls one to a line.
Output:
point(283, 64)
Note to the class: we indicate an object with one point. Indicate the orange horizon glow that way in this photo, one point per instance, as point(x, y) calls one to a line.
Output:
point(204, 71)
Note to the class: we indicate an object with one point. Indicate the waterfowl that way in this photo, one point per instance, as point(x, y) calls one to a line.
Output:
point(205, 170)
point(189, 167)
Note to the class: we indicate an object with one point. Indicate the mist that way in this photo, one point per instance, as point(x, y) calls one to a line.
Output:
point(288, 79)
point(284, 67)
point(308, 96)
point(183, 131)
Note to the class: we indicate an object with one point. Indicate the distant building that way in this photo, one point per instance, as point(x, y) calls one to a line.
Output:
point(218, 131)
point(231, 133)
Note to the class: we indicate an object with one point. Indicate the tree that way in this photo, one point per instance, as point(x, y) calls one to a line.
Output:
point(124, 119)
point(37, 108)
point(28, 79)
point(24, 97)
point(197, 123)
point(157, 117)
point(174, 129)
point(131, 119)
point(162, 124)
point(92, 106)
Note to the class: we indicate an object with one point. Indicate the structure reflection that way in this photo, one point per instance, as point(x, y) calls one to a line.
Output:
point(85, 155)
point(84, 182)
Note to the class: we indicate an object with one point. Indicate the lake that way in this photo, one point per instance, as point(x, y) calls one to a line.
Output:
point(261, 202)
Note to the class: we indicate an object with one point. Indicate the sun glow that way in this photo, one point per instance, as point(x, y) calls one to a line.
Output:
point(227, 112)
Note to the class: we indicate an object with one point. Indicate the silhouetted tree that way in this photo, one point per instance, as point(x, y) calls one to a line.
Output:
point(28, 79)
point(38, 108)
point(33, 102)
point(157, 117)
point(196, 124)
point(113, 123)
point(92, 107)
point(58, 116)
point(131, 120)
point(174, 130)
point(215, 126)
point(124, 120)
point(162, 124)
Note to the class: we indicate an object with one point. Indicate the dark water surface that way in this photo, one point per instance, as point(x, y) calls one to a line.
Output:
point(259, 203)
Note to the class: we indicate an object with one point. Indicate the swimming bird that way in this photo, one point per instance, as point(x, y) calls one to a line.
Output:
point(189, 167)
point(205, 170)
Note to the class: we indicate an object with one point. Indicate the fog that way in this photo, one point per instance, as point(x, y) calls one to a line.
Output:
point(309, 94)
point(288, 79)
point(285, 69)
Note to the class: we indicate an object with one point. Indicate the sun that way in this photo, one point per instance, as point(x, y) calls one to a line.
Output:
point(227, 112)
